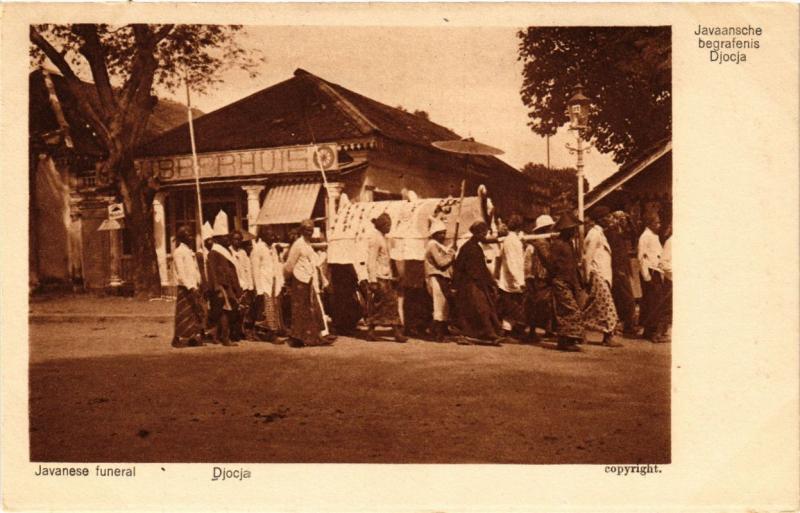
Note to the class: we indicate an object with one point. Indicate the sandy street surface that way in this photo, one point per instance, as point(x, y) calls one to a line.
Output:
point(112, 389)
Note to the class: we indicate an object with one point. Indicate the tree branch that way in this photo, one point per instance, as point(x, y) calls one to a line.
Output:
point(94, 53)
point(73, 82)
point(54, 55)
point(162, 33)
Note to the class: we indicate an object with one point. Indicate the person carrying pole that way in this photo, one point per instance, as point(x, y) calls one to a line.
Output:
point(438, 272)
point(382, 282)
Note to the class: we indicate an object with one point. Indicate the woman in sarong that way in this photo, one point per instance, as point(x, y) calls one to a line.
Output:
point(599, 313)
point(308, 324)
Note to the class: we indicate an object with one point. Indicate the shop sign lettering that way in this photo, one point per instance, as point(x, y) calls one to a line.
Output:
point(286, 159)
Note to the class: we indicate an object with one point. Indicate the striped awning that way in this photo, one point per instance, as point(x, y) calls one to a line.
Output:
point(289, 203)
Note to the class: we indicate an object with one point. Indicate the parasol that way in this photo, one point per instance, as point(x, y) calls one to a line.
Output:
point(468, 146)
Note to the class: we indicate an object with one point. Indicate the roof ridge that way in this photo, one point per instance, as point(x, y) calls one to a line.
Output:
point(184, 125)
point(340, 102)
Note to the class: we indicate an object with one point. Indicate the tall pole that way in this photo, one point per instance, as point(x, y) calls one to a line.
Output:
point(579, 151)
point(196, 169)
point(548, 153)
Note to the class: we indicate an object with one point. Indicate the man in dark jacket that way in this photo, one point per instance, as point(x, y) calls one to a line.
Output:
point(621, 287)
point(224, 289)
point(566, 284)
point(475, 290)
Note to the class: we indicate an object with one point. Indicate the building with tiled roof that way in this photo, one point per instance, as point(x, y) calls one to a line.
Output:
point(257, 155)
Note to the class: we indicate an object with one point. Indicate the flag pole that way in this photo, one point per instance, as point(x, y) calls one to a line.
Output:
point(195, 167)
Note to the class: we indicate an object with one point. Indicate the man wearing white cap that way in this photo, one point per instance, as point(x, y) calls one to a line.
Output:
point(223, 282)
point(438, 271)
point(538, 278)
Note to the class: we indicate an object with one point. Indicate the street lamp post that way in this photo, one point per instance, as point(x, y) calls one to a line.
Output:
point(578, 111)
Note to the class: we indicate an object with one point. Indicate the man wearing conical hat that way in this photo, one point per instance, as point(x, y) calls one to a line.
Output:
point(566, 284)
point(438, 272)
point(223, 282)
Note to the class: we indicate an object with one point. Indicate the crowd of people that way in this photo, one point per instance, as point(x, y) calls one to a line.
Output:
point(533, 279)
point(234, 290)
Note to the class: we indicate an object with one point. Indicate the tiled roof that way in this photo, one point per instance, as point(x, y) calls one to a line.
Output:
point(300, 110)
point(628, 171)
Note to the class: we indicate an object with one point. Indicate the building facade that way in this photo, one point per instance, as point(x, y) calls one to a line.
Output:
point(68, 204)
point(265, 155)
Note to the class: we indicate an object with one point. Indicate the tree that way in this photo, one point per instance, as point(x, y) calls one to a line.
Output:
point(625, 71)
point(125, 64)
point(557, 186)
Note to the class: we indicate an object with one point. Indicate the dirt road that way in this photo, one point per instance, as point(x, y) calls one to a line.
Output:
point(114, 390)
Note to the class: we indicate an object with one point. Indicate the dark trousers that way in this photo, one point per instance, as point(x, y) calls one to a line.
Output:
point(224, 320)
point(624, 300)
point(653, 304)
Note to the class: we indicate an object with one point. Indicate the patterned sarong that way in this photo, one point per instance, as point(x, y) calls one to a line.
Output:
point(569, 322)
point(273, 318)
point(189, 320)
point(511, 308)
point(539, 303)
point(383, 310)
point(599, 313)
point(307, 322)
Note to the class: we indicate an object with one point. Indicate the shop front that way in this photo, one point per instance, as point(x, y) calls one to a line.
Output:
point(285, 182)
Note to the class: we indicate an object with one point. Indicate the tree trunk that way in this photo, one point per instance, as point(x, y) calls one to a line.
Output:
point(146, 280)
point(138, 198)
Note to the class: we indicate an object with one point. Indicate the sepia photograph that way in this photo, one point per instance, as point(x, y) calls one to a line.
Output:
point(349, 244)
point(400, 257)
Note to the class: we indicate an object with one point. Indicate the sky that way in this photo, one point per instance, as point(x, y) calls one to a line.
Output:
point(467, 79)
